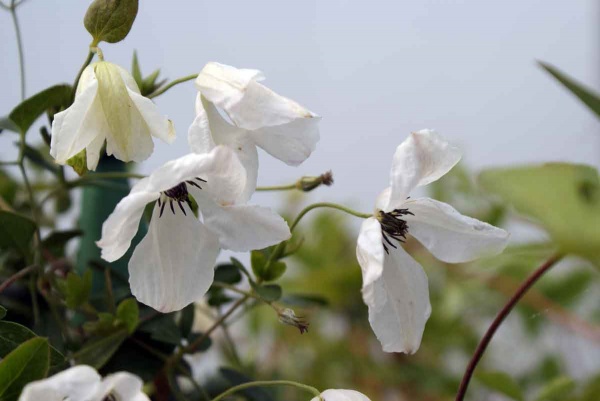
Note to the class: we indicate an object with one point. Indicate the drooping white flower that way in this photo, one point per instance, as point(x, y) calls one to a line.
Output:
point(83, 383)
point(259, 117)
point(341, 395)
point(395, 286)
point(173, 265)
point(108, 108)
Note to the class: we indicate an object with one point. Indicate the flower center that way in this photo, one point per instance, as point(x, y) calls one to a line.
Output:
point(393, 227)
point(179, 194)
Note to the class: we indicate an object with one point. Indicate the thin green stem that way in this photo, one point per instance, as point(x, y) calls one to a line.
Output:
point(87, 62)
point(272, 383)
point(13, 13)
point(239, 291)
point(278, 188)
point(331, 206)
point(101, 176)
point(172, 84)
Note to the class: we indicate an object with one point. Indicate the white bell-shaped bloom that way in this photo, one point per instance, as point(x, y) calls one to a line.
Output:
point(108, 108)
point(341, 395)
point(174, 264)
point(83, 383)
point(259, 117)
point(395, 286)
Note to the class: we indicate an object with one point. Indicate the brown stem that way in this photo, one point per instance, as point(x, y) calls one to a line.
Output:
point(487, 337)
point(20, 274)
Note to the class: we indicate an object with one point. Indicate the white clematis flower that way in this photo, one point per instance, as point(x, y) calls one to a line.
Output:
point(394, 285)
point(174, 264)
point(341, 395)
point(108, 107)
point(260, 117)
point(83, 383)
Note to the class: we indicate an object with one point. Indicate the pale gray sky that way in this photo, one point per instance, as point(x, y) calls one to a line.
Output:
point(374, 70)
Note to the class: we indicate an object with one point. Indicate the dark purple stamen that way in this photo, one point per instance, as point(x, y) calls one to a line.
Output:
point(393, 226)
point(179, 193)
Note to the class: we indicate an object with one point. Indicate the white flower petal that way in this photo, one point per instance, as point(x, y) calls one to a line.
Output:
point(450, 236)
point(421, 159)
point(159, 125)
point(282, 127)
point(120, 227)
point(221, 169)
point(244, 227)
point(369, 250)
point(341, 395)
point(93, 152)
point(210, 129)
point(173, 265)
point(123, 386)
point(398, 303)
point(292, 142)
point(74, 128)
point(78, 383)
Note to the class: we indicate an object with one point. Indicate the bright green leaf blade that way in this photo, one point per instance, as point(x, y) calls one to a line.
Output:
point(28, 362)
point(110, 20)
point(98, 352)
point(564, 198)
point(13, 334)
point(128, 313)
point(557, 390)
point(501, 383)
point(16, 232)
point(25, 114)
point(586, 95)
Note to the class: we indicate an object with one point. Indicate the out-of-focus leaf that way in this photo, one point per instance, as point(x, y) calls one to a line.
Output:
point(501, 383)
point(13, 334)
point(564, 198)
point(97, 352)
point(304, 300)
point(128, 313)
point(592, 389)
point(186, 320)
point(27, 363)
point(252, 394)
point(110, 20)
point(2, 312)
point(16, 232)
point(56, 241)
point(105, 324)
point(34, 156)
point(241, 267)
point(163, 329)
point(78, 289)
point(586, 95)
point(267, 273)
point(270, 292)
point(8, 124)
point(557, 390)
point(569, 288)
point(227, 273)
point(258, 261)
point(25, 114)
point(204, 345)
point(8, 187)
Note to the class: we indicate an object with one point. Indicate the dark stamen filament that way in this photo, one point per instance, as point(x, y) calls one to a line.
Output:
point(393, 226)
point(179, 193)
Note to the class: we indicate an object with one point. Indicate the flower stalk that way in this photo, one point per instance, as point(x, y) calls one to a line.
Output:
point(243, 386)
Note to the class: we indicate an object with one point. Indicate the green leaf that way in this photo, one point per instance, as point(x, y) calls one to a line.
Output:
point(16, 232)
point(56, 241)
point(136, 72)
point(204, 345)
point(78, 289)
point(110, 20)
point(129, 314)
point(27, 363)
point(275, 271)
point(501, 383)
point(304, 300)
point(564, 198)
point(8, 124)
point(25, 114)
point(258, 260)
point(241, 267)
point(586, 95)
point(163, 329)
point(557, 390)
point(227, 273)
point(270, 292)
point(97, 352)
point(186, 320)
point(2, 312)
point(13, 334)
point(34, 156)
